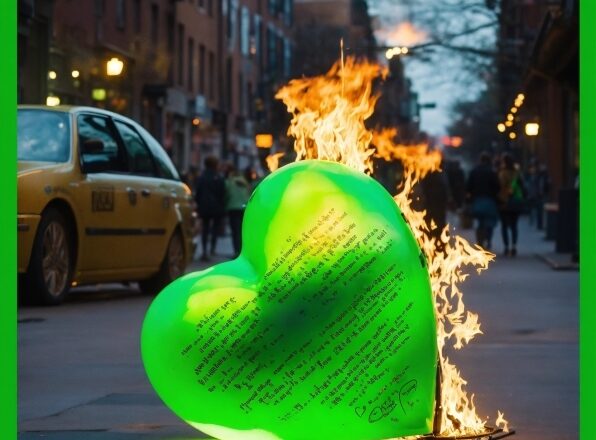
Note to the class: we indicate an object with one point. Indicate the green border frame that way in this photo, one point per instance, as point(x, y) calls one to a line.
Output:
point(8, 207)
point(587, 217)
point(8, 325)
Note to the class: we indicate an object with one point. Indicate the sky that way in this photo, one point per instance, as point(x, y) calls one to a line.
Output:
point(442, 78)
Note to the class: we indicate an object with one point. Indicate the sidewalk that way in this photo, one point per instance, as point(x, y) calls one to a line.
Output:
point(81, 377)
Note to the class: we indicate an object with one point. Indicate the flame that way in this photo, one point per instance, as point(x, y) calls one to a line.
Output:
point(328, 114)
point(273, 161)
point(404, 34)
point(317, 104)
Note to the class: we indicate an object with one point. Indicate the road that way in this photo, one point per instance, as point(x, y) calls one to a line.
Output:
point(81, 377)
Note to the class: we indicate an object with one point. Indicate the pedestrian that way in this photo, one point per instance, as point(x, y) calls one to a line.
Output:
point(436, 197)
point(210, 192)
point(511, 202)
point(483, 188)
point(237, 195)
point(457, 183)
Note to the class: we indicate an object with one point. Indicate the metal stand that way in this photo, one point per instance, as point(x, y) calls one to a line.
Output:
point(489, 433)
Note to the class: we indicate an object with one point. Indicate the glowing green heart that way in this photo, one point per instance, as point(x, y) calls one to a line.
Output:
point(323, 328)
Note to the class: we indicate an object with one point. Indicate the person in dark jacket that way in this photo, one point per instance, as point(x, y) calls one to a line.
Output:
point(483, 188)
point(210, 195)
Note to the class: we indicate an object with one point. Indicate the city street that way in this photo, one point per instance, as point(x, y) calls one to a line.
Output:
point(81, 376)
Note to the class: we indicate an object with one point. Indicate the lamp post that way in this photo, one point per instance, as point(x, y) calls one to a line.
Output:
point(532, 129)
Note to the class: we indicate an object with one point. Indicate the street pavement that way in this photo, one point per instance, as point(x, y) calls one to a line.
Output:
point(81, 376)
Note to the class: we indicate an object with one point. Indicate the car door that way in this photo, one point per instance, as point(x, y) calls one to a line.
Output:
point(110, 228)
point(154, 205)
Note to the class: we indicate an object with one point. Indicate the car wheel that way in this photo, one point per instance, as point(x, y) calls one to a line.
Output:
point(51, 267)
point(171, 268)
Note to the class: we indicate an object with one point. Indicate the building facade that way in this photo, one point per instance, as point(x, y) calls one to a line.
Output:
point(198, 74)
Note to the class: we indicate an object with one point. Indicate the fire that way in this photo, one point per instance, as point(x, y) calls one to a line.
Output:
point(273, 161)
point(328, 115)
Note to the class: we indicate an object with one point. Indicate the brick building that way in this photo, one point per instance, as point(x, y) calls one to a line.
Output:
point(199, 74)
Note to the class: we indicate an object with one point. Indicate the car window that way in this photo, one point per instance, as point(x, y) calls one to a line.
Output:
point(140, 160)
point(111, 158)
point(43, 136)
point(164, 164)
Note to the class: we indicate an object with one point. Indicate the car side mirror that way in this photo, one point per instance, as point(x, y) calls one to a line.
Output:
point(92, 146)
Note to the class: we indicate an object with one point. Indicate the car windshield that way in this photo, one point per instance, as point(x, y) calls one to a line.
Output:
point(43, 136)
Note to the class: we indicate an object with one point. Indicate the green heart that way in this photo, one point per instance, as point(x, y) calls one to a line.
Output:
point(323, 327)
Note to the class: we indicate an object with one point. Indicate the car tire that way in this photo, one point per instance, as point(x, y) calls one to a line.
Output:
point(50, 271)
point(172, 267)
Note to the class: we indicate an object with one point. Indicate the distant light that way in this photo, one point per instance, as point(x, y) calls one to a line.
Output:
point(508, 123)
point(196, 121)
point(456, 141)
point(389, 54)
point(114, 67)
point(510, 117)
point(75, 73)
point(512, 135)
point(404, 50)
point(532, 128)
point(52, 74)
point(52, 101)
point(98, 94)
point(521, 97)
point(513, 110)
point(264, 140)
point(501, 127)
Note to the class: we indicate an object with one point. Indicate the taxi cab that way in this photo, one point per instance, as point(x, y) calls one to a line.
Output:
point(98, 201)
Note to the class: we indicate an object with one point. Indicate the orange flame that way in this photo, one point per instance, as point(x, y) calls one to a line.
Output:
point(319, 103)
point(273, 161)
point(328, 123)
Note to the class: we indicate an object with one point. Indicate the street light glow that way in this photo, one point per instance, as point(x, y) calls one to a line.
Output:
point(52, 101)
point(513, 110)
point(52, 74)
point(196, 121)
point(501, 127)
point(75, 73)
point(114, 66)
point(510, 117)
point(512, 135)
point(508, 123)
point(404, 50)
point(521, 97)
point(395, 51)
point(532, 128)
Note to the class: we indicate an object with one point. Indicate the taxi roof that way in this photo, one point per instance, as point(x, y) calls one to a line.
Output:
point(69, 109)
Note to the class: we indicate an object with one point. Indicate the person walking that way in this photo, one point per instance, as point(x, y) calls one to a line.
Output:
point(237, 195)
point(483, 188)
point(511, 198)
point(210, 195)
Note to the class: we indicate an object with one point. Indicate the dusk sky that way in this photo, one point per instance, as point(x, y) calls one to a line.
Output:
point(441, 79)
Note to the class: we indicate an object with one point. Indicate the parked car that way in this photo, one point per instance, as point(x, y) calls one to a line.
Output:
point(98, 201)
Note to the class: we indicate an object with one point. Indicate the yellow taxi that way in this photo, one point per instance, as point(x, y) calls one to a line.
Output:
point(98, 201)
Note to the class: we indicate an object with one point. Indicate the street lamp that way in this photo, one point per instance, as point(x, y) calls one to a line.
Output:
point(114, 66)
point(501, 127)
point(532, 129)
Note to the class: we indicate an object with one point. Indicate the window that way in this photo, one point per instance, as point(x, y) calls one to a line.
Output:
point(244, 31)
point(43, 136)
point(98, 128)
point(139, 159)
point(202, 69)
point(211, 75)
point(165, 167)
point(191, 65)
point(120, 14)
point(180, 54)
point(154, 23)
point(136, 11)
